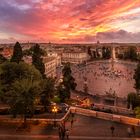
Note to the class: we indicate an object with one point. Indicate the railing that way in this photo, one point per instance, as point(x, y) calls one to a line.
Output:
point(85, 112)
point(108, 116)
point(114, 108)
point(43, 120)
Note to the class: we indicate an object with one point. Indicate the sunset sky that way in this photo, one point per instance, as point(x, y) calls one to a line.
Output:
point(69, 21)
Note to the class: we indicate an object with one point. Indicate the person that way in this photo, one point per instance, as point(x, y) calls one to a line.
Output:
point(72, 115)
point(71, 122)
point(133, 130)
point(63, 134)
point(138, 122)
point(67, 134)
point(129, 131)
point(60, 132)
point(112, 130)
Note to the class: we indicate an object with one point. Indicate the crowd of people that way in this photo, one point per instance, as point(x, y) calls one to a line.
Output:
point(100, 77)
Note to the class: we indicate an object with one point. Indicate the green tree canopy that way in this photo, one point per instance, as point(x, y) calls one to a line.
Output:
point(47, 91)
point(68, 80)
point(11, 71)
point(20, 84)
point(27, 52)
point(1, 92)
point(137, 78)
point(23, 95)
point(63, 94)
point(17, 53)
point(133, 99)
point(137, 112)
point(37, 59)
point(131, 53)
point(2, 59)
point(106, 53)
point(89, 52)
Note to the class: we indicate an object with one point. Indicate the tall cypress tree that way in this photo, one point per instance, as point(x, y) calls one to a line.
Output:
point(2, 59)
point(68, 80)
point(17, 53)
point(137, 78)
point(37, 60)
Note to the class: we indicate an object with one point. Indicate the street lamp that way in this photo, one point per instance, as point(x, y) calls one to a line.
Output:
point(54, 110)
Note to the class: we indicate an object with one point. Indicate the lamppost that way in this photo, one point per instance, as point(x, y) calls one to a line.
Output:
point(54, 110)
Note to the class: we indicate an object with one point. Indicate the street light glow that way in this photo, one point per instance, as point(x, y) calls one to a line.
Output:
point(54, 110)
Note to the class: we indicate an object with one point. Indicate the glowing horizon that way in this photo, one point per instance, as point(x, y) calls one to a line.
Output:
point(70, 21)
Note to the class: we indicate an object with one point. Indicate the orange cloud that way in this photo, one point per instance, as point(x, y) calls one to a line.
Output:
point(59, 20)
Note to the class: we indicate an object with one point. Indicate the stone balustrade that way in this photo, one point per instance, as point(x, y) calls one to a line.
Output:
point(81, 111)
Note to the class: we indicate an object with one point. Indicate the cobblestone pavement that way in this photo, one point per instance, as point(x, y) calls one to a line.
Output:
point(102, 79)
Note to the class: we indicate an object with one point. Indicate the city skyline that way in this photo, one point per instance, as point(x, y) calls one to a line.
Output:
point(69, 21)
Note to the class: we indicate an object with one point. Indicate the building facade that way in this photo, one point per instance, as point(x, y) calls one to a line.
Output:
point(49, 62)
point(50, 66)
point(75, 57)
point(56, 56)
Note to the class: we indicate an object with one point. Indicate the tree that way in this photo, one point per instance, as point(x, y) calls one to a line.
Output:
point(137, 112)
point(68, 80)
point(131, 54)
point(2, 59)
point(11, 71)
point(23, 95)
point(1, 89)
point(1, 92)
point(1, 49)
point(106, 53)
point(133, 100)
point(20, 84)
point(47, 91)
point(27, 52)
point(137, 78)
point(90, 52)
point(37, 60)
point(62, 93)
point(17, 53)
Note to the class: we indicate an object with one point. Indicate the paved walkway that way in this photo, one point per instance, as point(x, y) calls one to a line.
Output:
point(53, 137)
point(93, 127)
point(83, 128)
